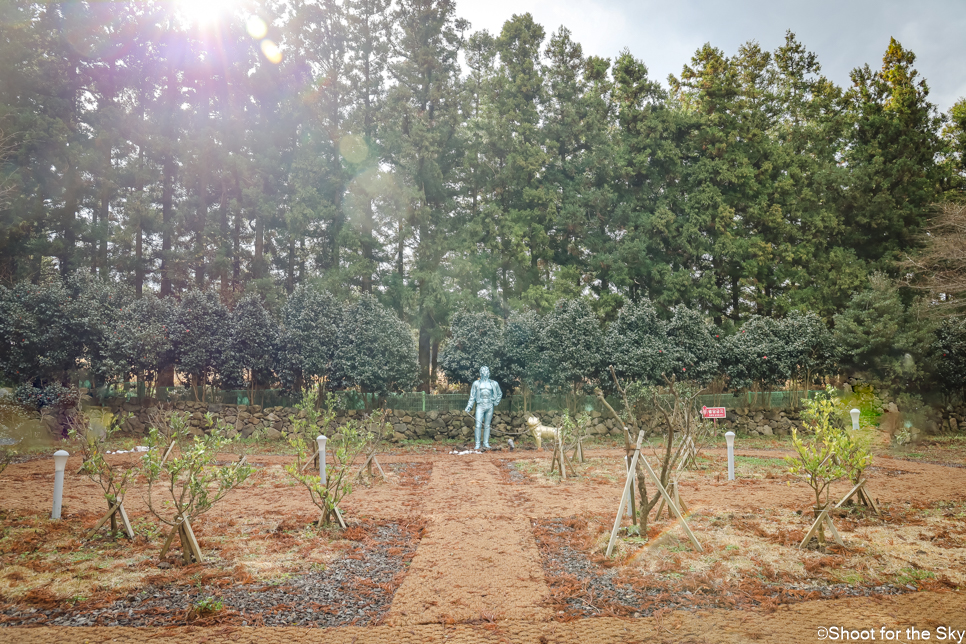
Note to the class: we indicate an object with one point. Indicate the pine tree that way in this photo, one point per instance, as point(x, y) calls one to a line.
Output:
point(423, 146)
point(892, 157)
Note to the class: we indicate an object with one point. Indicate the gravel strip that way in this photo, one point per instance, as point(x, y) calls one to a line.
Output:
point(602, 590)
point(357, 588)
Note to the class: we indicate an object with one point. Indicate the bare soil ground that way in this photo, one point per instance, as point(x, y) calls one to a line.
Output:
point(491, 548)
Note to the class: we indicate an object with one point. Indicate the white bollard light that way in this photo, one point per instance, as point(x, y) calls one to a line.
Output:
point(321, 440)
point(730, 437)
point(855, 418)
point(60, 464)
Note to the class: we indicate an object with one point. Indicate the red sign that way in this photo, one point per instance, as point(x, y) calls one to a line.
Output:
point(714, 412)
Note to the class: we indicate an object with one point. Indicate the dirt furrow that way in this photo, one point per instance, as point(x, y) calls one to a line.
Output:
point(478, 559)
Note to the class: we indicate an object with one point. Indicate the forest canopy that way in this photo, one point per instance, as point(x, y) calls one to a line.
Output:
point(380, 148)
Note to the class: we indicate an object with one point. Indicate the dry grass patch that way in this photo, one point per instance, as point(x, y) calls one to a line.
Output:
point(949, 449)
point(748, 560)
point(38, 555)
point(907, 548)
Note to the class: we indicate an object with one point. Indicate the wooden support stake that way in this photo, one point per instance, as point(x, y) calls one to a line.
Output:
point(338, 517)
point(674, 491)
point(365, 464)
point(125, 520)
point(570, 462)
point(627, 486)
point(192, 542)
point(857, 488)
point(104, 519)
point(379, 467)
point(833, 531)
point(872, 502)
point(579, 451)
point(811, 531)
point(167, 453)
point(633, 502)
point(185, 548)
point(677, 512)
point(554, 459)
point(563, 461)
point(682, 506)
point(167, 542)
point(314, 459)
point(863, 495)
point(689, 453)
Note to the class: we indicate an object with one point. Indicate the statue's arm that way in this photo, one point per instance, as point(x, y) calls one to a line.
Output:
point(469, 405)
point(498, 393)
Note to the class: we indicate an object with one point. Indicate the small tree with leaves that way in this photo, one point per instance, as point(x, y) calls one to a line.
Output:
point(949, 356)
point(854, 445)
point(112, 478)
point(578, 427)
point(637, 344)
point(254, 342)
point(187, 477)
point(571, 344)
point(349, 441)
point(144, 333)
point(684, 430)
point(476, 340)
point(202, 339)
point(309, 334)
point(823, 460)
point(6, 457)
point(521, 345)
point(693, 348)
point(376, 352)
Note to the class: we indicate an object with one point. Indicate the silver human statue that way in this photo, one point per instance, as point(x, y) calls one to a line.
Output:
point(486, 394)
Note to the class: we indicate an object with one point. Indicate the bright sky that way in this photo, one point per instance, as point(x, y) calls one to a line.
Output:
point(844, 33)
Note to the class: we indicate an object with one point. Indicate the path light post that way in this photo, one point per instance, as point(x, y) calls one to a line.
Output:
point(321, 440)
point(855, 418)
point(730, 437)
point(60, 463)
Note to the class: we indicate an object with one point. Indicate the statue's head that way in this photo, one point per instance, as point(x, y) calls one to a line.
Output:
point(484, 373)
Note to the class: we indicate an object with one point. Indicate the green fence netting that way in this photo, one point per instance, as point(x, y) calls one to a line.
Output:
point(419, 401)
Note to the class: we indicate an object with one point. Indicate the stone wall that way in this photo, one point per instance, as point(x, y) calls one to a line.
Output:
point(275, 422)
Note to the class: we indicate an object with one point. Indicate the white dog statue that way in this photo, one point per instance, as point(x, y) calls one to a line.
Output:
point(541, 431)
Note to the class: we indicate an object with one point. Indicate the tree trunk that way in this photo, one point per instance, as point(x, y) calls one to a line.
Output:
point(367, 246)
point(290, 269)
point(167, 217)
point(424, 352)
point(433, 363)
point(167, 189)
point(236, 239)
point(223, 227)
point(258, 261)
point(139, 272)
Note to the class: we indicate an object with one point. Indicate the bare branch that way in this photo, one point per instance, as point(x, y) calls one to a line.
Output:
point(940, 268)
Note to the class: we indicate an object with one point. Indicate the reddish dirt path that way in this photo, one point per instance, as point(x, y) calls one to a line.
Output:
point(794, 624)
point(478, 559)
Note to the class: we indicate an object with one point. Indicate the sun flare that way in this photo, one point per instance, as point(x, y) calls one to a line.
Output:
point(205, 11)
